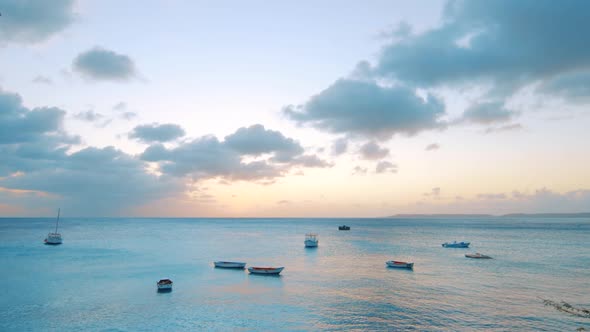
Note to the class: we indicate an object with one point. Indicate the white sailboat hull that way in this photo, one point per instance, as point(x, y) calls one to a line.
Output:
point(311, 243)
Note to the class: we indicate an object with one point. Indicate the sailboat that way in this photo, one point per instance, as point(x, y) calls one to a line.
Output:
point(54, 238)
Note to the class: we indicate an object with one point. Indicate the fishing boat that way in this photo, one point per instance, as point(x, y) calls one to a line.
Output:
point(230, 265)
point(400, 265)
point(164, 285)
point(343, 228)
point(311, 240)
point(456, 244)
point(265, 270)
point(54, 238)
point(478, 255)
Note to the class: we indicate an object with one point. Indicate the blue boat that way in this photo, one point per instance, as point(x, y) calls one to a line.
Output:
point(456, 244)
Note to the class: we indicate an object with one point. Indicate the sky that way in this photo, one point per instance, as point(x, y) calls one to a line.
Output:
point(293, 109)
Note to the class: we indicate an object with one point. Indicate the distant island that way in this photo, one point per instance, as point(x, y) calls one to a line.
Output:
point(510, 215)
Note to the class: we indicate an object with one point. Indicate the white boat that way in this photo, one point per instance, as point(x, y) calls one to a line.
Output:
point(230, 265)
point(456, 244)
point(54, 238)
point(311, 240)
point(265, 270)
point(164, 285)
point(478, 255)
point(400, 265)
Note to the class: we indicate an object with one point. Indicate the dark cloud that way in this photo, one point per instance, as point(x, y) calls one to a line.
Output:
point(102, 64)
point(256, 140)
point(368, 109)
point(42, 80)
point(487, 113)
point(509, 43)
point(373, 151)
point(33, 21)
point(207, 157)
point(432, 147)
point(385, 167)
point(339, 146)
point(157, 132)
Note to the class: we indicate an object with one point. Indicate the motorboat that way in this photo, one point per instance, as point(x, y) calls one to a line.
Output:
point(265, 270)
point(230, 265)
point(478, 255)
point(456, 244)
point(311, 240)
point(54, 238)
point(343, 228)
point(164, 285)
point(400, 265)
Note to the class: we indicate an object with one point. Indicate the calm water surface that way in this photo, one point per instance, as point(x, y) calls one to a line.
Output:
point(103, 277)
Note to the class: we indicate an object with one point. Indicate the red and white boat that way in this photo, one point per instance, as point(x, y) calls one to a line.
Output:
point(400, 265)
point(265, 270)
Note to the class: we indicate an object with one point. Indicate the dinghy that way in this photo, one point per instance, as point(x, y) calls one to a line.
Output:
point(164, 285)
point(265, 270)
point(456, 244)
point(400, 265)
point(230, 265)
point(478, 255)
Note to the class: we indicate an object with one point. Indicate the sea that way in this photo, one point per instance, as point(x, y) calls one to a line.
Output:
point(103, 277)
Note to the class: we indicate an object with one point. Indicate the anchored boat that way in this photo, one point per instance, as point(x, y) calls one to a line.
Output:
point(478, 255)
point(164, 285)
point(311, 240)
point(265, 270)
point(343, 228)
point(456, 244)
point(230, 265)
point(54, 238)
point(400, 265)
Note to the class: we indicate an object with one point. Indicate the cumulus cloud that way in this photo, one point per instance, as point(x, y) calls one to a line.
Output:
point(373, 151)
point(208, 157)
point(432, 147)
point(102, 64)
point(157, 132)
point(31, 22)
point(487, 113)
point(385, 167)
point(365, 108)
point(339, 146)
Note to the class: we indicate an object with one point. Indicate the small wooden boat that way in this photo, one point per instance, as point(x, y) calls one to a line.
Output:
point(400, 265)
point(265, 270)
point(230, 265)
point(343, 228)
point(164, 285)
point(478, 255)
point(311, 240)
point(456, 244)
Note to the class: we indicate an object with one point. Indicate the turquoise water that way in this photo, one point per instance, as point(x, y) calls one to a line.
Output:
point(103, 277)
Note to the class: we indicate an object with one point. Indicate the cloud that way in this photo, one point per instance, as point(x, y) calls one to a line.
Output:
point(434, 193)
point(120, 106)
point(367, 109)
point(385, 167)
point(207, 157)
point(492, 196)
point(157, 132)
point(256, 140)
point(510, 127)
point(358, 170)
point(89, 116)
point(102, 64)
point(339, 146)
point(487, 113)
point(373, 151)
point(573, 86)
point(42, 80)
point(30, 22)
point(432, 147)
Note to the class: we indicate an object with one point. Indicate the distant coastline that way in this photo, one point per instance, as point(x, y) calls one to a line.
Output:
point(510, 215)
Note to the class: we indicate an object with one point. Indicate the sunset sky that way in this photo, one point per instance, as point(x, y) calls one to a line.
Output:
point(293, 109)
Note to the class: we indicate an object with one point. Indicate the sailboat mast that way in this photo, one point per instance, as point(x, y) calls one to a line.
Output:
point(57, 221)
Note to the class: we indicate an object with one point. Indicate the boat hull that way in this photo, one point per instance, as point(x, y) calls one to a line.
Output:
point(265, 270)
point(164, 285)
point(343, 228)
point(456, 245)
point(478, 256)
point(230, 265)
point(311, 243)
point(400, 265)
